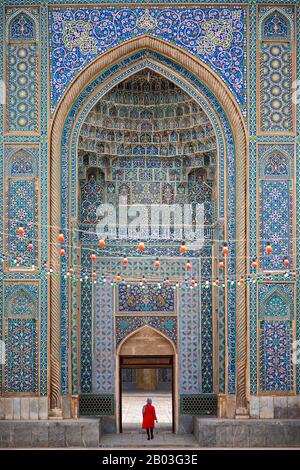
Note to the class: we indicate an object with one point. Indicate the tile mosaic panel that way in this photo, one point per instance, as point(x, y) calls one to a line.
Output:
point(276, 369)
point(275, 226)
point(104, 340)
point(21, 338)
point(276, 88)
point(148, 298)
point(216, 36)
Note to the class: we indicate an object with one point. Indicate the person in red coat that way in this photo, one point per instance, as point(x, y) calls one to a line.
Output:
point(149, 416)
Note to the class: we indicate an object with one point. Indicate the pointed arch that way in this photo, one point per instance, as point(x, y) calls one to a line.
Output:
point(145, 335)
point(32, 34)
point(267, 15)
point(233, 113)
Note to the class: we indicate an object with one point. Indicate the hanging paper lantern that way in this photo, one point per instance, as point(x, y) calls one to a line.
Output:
point(294, 275)
point(141, 246)
point(241, 281)
point(254, 264)
point(94, 275)
point(167, 281)
point(225, 249)
point(62, 252)
point(157, 263)
point(182, 248)
point(193, 282)
point(269, 248)
point(286, 262)
point(221, 265)
point(188, 265)
point(102, 243)
point(19, 259)
point(93, 257)
point(61, 237)
point(71, 271)
point(125, 261)
point(268, 278)
point(217, 282)
point(30, 246)
point(118, 278)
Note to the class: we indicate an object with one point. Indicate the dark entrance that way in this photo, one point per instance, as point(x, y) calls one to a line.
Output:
point(137, 363)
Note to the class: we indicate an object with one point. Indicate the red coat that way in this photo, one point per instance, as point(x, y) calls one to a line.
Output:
point(149, 416)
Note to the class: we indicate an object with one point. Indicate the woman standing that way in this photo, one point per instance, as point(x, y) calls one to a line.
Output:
point(149, 416)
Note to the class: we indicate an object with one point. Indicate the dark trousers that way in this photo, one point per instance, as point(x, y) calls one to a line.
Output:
point(150, 432)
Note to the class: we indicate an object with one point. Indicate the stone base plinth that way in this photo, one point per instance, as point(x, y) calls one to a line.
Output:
point(234, 433)
point(50, 433)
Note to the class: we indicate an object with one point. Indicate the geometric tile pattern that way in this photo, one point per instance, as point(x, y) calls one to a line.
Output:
point(21, 172)
point(104, 342)
point(21, 209)
point(189, 340)
point(276, 88)
point(21, 342)
point(86, 322)
point(276, 223)
point(207, 326)
point(22, 69)
point(276, 26)
point(276, 310)
point(276, 368)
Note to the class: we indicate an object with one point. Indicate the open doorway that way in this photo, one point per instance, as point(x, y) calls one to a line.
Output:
point(142, 377)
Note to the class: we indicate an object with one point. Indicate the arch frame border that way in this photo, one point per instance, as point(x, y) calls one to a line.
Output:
point(227, 101)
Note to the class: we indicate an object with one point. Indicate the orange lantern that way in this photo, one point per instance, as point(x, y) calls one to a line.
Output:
point(20, 230)
point(254, 264)
point(102, 243)
point(157, 263)
point(93, 257)
point(167, 281)
point(62, 252)
point(94, 275)
point(118, 278)
point(217, 282)
point(141, 246)
point(221, 265)
point(71, 271)
point(182, 248)
point(188, 265)
point(286, 262)
point(225, 249)
point(61, 237)
point(269, 248)
point(294, 275)
point(19, 259)
point(30, 246)
point(125, 261)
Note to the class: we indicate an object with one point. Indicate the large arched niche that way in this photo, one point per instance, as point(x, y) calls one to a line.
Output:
point(73, 107)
